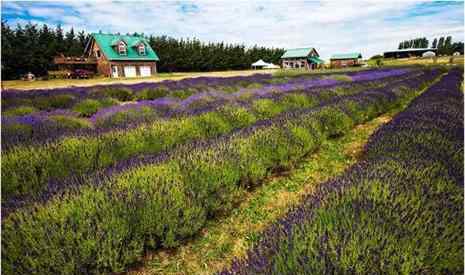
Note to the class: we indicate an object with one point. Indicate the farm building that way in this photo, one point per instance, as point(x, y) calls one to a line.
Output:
point(345, 60)
point(114, 55)
point(406, 53)
point(307, 58)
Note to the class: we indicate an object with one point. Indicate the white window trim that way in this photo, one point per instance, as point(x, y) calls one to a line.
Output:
point(141, 49)
point(121, 46)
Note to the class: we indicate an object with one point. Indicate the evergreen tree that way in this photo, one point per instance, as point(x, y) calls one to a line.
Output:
point(435, 43)
point(441, 45)
point(448, 50)
point(30, 48)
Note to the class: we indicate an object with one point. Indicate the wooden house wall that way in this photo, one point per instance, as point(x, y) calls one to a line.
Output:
point(338, 63)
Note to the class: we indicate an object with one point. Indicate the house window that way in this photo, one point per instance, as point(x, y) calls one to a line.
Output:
point(97, 53)
point(122, 48)
point(141, 49)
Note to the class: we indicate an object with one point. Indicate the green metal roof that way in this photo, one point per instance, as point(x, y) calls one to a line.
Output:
point(346, 56)
point(316, 60)
point(107, 41)
point(296, 53)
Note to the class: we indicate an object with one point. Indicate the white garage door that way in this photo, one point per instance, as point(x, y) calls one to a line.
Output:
point(145, 71)
point(130, 71)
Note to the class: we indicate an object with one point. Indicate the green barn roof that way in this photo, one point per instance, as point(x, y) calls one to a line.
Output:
point(316, 60)
point(106, 43)
point(296, 53)
point(346, 56)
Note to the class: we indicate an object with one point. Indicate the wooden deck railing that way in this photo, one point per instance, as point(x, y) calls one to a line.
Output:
point(74, 60)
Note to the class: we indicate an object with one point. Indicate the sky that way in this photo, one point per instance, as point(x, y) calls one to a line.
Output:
point(369, 27)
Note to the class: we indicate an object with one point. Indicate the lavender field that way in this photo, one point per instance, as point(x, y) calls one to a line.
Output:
point(95, 178)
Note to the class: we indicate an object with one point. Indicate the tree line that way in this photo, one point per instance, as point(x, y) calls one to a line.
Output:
point(445, 45)
point(31, 48)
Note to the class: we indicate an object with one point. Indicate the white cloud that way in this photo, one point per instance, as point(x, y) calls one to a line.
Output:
point(366, 26)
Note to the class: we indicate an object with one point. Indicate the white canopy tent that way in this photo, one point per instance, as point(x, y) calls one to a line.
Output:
point(428, 54)
point(272, 66)
point(259, 64)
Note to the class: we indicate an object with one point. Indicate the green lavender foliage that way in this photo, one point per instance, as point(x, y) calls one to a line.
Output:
point(103, 229)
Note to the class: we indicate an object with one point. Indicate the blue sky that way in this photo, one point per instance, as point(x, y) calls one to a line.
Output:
point(369, 27)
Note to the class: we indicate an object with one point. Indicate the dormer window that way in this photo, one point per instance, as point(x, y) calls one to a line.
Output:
point(121, 48)
point(141, 49)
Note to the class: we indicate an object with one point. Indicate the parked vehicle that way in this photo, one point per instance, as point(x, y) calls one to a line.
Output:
point(80, 73)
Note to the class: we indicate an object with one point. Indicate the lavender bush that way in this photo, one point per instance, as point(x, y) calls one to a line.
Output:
point(27, 169)
point(398, 211)
point(105, 223)
point(101, 112)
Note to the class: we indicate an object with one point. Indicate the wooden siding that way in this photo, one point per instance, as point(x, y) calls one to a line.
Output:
point(340, 63)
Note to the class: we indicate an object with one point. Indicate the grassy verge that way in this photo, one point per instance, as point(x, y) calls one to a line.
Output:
point(61, 83)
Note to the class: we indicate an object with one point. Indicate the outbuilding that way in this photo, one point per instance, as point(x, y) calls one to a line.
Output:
point(406, 53)
point(306, 58)
point(345, 60)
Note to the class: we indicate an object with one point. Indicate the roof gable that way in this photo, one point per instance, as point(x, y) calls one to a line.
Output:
point(106, 42)
point(346, 56)
point(300, 52)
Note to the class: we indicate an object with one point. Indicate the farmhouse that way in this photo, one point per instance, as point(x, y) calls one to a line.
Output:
point(345, 60)
point(406, 53)
point(307, 58)
point(115, 55)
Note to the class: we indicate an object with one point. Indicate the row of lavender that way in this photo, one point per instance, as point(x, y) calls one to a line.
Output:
point(107, 223)
point(28, 169)
point(399, 211)
point(10, 97)
point(226, 119)
point(108, 114)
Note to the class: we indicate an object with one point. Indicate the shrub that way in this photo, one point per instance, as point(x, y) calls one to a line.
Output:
point(87, 107)
point(182, 94)
point(293, 101)
point(121, 118)
point(71, 123)
point(76, 156)
point(334, 122)
point(211, 124)
point(16, 131)
point(54, 102)
point(254, 85)
point(152, 93)
point(398, 211)
point(238, 117)
point(108, 102)
point(19, 111)
point(342, 77)
point(159, 202)
point(265, 108)
point(119, 93)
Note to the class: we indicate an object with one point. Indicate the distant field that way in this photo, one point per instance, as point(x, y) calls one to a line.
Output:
point(420, 61)
point(60, 83)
